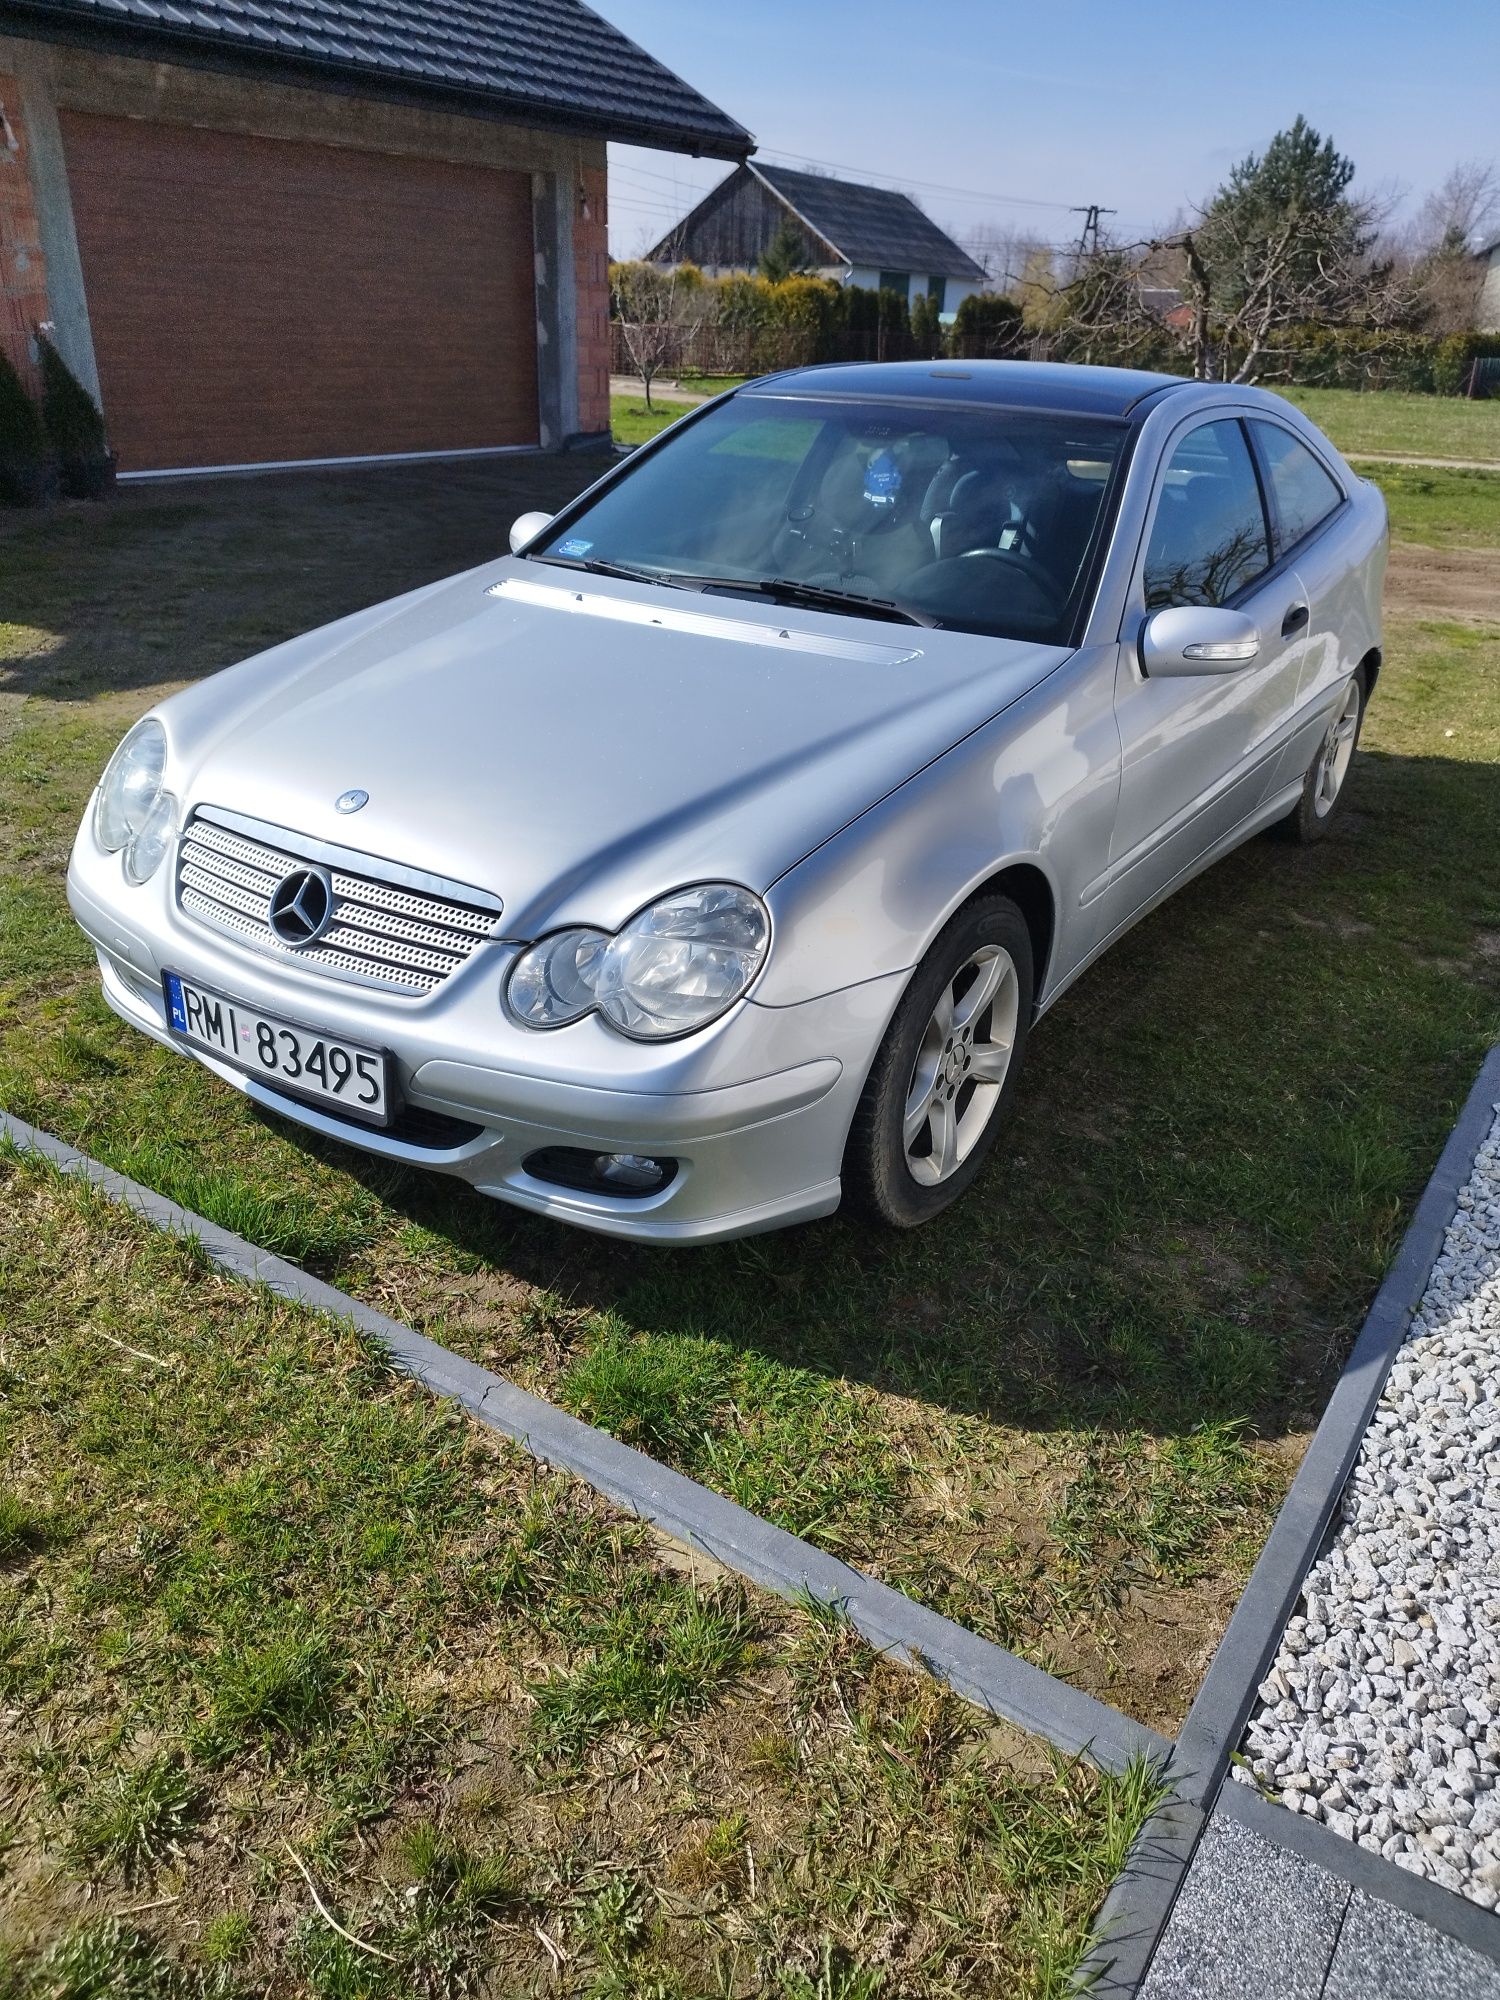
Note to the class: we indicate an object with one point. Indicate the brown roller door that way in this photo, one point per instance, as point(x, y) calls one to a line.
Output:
point(256, 299)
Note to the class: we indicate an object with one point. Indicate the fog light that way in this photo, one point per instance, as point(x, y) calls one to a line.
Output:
point(632, 1173)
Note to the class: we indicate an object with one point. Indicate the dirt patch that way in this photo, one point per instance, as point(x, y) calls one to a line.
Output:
point(1444, 583)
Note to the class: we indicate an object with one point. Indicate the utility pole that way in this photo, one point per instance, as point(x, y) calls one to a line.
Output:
point(1089, 241)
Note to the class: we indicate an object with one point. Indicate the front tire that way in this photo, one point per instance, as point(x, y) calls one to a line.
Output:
point(943, 1080)
point(1325, 787)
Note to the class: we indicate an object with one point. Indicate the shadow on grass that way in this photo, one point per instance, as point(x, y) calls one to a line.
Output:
point(168, 583)
point(1220, 1132)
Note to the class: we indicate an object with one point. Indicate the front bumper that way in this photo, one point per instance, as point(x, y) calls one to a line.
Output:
point(755, 1109)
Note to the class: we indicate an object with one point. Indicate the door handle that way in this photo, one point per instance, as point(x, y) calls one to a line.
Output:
point(1294, 620)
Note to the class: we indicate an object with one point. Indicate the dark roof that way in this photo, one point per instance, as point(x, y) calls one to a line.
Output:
point(545, 62)
point(1035, 385)
point(870, 225)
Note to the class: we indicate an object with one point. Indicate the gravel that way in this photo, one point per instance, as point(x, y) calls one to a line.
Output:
point(1380, 1716)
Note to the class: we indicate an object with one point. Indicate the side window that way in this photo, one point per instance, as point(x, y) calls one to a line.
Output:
point(1302, 493)
point(1209, 536)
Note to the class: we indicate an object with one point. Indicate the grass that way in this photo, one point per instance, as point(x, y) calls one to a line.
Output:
point(1066, 1413)
point(295, 1624)
point(1390, 420)
point(1440, 507)
point(710, 385)
point(632, 423)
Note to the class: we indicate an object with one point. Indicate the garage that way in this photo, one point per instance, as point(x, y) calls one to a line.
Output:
point(357, 232)
point(254, 301)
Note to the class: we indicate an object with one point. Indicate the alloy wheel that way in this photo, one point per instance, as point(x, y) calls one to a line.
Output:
point(1337, 752)
point(961, 1065)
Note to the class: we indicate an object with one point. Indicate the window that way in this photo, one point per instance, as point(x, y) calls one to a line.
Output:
point(937, 291)
point(895, 281)
point(1209, 536)
point(1302, 493)
point(984, 520)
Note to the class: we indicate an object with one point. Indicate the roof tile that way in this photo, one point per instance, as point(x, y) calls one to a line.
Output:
point(556, 55)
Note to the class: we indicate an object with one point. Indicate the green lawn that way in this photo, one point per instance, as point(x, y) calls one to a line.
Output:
point(711, 385)
point(632, 423)
point(272, 1620)
point(1066, 1412)
point(1422, 426)
point(1439, 507)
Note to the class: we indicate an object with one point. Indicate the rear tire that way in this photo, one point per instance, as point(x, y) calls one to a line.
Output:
point(1325, 788)
point(942, 1083)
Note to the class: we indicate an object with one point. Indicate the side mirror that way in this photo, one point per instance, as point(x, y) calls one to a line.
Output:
point(1197, 639)
point(526, 529)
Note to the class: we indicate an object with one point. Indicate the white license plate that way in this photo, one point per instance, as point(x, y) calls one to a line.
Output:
point(301, 1061)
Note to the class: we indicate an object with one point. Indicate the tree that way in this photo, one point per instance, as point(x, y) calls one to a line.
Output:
point(986, 325)
point(785, 256)
point(658, 312)
point(23, 442)
point(926, 328)
point(1283, 242)
point(1457, 219)
point(1036, 290)
point(1103, 314)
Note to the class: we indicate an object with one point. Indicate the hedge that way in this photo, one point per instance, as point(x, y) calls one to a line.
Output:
point(750, 326)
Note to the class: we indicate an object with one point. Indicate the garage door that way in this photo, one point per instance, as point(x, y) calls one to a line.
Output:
point(254, 299)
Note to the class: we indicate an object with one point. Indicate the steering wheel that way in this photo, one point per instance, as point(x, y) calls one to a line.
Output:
point(1035, 573)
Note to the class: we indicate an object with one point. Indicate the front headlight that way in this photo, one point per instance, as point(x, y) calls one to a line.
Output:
point(675, 967)
point(132, 810)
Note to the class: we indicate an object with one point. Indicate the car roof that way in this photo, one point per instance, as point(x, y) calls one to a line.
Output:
point(1038, 385)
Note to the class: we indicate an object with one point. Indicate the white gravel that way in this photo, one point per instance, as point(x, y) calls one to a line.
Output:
point(1381, 1714)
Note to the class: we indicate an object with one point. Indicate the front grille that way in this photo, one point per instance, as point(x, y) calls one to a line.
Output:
point(381, 933)
point(414, 1124)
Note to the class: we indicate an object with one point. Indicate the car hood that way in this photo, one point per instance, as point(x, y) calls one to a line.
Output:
point(577, 746)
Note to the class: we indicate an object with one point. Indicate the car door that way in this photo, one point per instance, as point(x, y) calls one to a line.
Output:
point(1304, 497)
point(1197, 753)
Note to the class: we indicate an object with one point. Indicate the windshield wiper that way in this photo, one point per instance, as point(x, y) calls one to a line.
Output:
point(816, 596)
point(597, 566)
point(780, 589)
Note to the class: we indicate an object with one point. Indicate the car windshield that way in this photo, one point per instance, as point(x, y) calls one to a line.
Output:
point(979, 519)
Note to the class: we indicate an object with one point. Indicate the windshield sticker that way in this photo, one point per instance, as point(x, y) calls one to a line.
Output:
point(882, 480)
point(574, 546)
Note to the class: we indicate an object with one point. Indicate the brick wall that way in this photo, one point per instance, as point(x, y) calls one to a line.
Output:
point(23, 270)
point(591, 263)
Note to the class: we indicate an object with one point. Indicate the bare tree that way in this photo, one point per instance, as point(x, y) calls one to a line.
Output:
point(658, 312)
point(1464, 209)
point(1458, 218)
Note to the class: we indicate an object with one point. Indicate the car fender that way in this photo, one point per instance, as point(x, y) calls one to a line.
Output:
point(1036, 787)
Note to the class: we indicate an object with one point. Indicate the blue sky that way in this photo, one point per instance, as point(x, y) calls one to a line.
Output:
point(1140, 107)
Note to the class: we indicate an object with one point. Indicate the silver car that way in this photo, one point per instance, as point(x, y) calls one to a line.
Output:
point(707, 860)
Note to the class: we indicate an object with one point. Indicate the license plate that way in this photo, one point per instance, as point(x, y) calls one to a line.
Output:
point(301, 1061)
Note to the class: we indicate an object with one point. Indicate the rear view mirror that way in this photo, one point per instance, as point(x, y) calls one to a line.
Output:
point(1197, 639)
point(526, 529)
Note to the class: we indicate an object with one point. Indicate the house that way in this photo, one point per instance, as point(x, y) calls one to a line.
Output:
point(1487, 318)
point(323, 230)
point(855, 234)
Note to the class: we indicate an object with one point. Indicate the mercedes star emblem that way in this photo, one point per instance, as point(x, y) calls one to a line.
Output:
point(301, 905)
point(350, 802)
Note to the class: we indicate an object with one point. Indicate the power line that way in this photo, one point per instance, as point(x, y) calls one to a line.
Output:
point(930, 187)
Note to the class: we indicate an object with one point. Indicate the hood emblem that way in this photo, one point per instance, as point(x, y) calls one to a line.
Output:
point(351, 801)
point(301, 906)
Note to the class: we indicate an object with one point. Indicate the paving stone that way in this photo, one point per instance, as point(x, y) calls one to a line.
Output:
point(1252, 1922)
point(1385, 1954)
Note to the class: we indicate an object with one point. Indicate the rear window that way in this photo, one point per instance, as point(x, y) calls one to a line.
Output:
point(1302, 493)
point(982, 520)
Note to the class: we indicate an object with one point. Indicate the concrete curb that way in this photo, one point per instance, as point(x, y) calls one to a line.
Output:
point(984, 1674)
point(1136, 1911)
